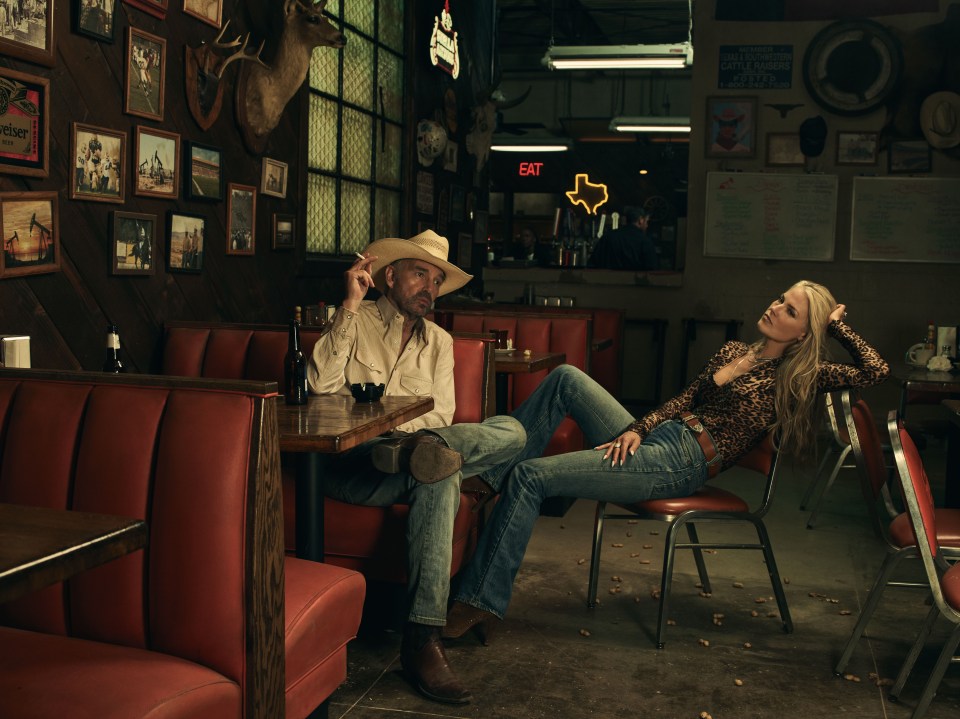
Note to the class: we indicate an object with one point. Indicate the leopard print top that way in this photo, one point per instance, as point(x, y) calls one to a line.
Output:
point(738, 413)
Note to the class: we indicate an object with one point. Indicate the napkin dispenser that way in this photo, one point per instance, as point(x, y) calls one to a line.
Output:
point(15, 350)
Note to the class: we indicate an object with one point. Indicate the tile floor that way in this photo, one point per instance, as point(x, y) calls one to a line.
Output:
point(540, 664)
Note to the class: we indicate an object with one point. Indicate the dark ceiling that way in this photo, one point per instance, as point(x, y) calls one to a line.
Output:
point(525, 28)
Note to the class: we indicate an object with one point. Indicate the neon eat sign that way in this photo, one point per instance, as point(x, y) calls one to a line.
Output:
point(530, 169)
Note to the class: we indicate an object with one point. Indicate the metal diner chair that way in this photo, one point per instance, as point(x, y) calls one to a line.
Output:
point(943, 578)
point(839, 449)
point(707, 504)
point(897, 534)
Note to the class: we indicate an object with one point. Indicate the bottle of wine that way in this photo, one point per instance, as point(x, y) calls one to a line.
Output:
point(295, 368)
point(112, 362)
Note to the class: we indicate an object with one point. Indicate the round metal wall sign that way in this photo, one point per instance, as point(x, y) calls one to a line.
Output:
point(852, 66)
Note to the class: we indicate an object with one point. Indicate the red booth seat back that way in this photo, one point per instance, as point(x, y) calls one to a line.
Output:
point(570, 334)
point(191, 461)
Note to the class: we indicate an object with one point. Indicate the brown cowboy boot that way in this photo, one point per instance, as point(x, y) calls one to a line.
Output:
point(426, 667)
point(424, 455)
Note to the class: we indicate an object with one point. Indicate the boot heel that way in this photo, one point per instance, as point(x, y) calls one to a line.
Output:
point(386, 457)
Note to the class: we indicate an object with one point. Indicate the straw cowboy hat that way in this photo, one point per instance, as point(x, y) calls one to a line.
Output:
point(940, 119)
point(427, 246)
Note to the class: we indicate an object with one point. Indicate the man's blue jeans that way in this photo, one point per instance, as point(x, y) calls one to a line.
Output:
point(669, 463)
point(433, 507)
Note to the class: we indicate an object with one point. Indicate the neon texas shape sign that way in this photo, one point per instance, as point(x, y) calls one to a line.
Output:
point(588, 194)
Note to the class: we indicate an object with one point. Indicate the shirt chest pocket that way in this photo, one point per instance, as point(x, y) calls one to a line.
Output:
point(417, 386)
point(370, 364)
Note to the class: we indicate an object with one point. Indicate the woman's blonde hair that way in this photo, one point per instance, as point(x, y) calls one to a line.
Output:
point(797, 401)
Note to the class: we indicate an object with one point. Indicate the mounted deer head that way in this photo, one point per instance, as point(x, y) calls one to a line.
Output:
point(263, 91)
point(204, 68)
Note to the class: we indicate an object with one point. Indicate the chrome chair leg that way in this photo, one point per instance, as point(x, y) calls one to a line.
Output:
point(781, 597)
point(698, 558)
point(936, 676)
point(911, 659)
point(666, 579)
point(826, 487)
point(873, 599)
point(816, 478)
point(595, 555)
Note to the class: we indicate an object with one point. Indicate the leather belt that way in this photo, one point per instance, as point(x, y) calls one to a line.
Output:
point(705, 441)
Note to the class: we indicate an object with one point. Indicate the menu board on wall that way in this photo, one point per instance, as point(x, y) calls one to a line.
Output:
point(770, 216)
point(910, 219)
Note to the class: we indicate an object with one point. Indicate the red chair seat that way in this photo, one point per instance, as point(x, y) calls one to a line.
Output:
point(950, 584)
point(705, 499)
point(47, 675)
point(948, 529)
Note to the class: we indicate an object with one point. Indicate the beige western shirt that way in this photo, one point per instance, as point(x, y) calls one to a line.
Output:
point(364, 346)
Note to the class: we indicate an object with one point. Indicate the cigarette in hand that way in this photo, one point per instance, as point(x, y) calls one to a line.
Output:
point(360, 256)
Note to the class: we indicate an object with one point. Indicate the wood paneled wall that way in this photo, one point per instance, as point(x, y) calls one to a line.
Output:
point(66, 312)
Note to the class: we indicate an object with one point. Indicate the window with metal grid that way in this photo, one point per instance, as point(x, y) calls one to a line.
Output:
point(354, 152)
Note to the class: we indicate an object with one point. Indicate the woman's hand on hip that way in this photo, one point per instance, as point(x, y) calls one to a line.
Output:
point(618, 448)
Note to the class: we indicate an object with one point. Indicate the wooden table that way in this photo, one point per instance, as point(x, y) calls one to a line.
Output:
point(918, 385)
point(952, 493)
point(328, 424)
point(40, 546)
point(518, 362)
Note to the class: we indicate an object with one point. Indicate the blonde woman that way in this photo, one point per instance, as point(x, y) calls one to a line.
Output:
point(743, 392)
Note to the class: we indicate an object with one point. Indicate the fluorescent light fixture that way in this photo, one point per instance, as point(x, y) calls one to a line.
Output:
point(532, 145)
point(619, 57)
point(650, 124)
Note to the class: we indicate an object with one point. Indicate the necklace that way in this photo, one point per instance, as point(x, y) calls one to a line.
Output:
point(754, 359)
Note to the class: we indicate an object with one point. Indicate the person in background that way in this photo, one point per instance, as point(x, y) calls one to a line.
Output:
point(529, 248)
point(743, 393)
point(627, 247)
point(389, 341)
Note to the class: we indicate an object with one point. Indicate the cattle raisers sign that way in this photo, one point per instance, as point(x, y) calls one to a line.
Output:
point(755, 67)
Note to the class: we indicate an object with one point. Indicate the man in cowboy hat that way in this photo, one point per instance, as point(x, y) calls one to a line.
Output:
point(390, 341)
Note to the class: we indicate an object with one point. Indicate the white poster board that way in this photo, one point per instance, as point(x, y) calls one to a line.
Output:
point(909, 219)
point(770, 216)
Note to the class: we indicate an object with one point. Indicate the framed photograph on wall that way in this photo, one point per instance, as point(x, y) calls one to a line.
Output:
point(731, 127)
point(94, 18)
point(32, 39)
point(273, 178)
point(241, 219)
point(204, 172)
point(24, 149)
point(783, 150)
point(156, 160)
point(145, 74)
point(133, 243)
point(208, 11)
point(185, 241)
point(157, 8)
point(857, 148)
point(31, 233)
point(906, 156)
point(284, 231)
point(99, 156)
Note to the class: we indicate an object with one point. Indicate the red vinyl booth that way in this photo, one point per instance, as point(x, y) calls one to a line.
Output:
point(211, 619)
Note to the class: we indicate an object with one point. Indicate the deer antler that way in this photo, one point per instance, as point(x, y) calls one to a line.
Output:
point(240, 54)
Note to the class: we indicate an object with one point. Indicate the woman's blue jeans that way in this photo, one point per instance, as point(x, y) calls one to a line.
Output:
point(669, 463)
